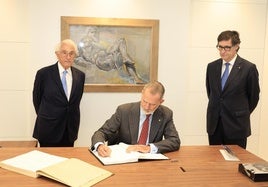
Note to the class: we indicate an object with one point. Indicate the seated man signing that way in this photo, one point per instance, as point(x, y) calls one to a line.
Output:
point(128, 125)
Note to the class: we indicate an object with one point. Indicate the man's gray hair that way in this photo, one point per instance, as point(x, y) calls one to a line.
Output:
point(155, 88)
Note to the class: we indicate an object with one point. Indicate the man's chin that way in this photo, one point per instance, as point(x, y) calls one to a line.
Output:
point(148, 112)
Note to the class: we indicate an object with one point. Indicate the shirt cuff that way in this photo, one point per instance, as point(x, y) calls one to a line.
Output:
point(97, 145)
point(153, 148)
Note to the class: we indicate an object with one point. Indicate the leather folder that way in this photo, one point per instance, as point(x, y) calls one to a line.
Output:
point(255, 171)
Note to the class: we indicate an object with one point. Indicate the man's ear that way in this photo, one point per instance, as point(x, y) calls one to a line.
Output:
point(237, 47)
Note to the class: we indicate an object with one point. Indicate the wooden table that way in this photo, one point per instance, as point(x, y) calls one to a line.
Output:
point(203, 165)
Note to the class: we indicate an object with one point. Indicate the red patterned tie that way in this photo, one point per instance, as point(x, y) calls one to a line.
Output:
point(144, 131)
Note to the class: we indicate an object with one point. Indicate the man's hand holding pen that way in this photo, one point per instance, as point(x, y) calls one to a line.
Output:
point(104, 150)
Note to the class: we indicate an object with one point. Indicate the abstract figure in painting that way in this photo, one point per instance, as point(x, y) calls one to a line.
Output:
point(105, 56)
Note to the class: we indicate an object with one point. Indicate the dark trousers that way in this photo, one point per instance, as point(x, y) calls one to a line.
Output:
point(219, 138)
point(64, 142)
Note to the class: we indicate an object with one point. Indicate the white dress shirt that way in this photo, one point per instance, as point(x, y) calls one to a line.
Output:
point(69, 78)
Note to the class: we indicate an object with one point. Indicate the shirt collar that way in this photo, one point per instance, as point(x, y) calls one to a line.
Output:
point(61, 69)
point(231, 62)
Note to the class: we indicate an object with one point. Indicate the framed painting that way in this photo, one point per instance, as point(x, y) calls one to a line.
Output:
point(117, 55)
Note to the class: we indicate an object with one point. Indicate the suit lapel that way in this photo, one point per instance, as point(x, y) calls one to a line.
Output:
point(218, 74)
point(74, 83)
point(134, 123)
point(233, 74)
point(56, 78)
point(155, 124)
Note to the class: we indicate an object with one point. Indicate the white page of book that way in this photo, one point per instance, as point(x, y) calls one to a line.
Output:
point(139, 155)
point(119, 155)
point(33, 160)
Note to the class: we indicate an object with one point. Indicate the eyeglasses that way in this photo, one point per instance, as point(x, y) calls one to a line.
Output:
point(66, 53)
point(225, 48)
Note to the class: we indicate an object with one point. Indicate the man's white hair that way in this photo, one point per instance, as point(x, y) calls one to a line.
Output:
point(66, 42)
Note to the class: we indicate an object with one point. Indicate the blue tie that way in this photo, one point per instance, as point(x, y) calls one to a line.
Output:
point(225, 75)
point(64, 83)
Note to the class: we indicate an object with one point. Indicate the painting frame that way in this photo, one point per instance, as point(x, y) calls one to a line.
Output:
point(153, 25)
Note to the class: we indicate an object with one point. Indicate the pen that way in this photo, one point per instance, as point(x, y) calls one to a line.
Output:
point(228, 150)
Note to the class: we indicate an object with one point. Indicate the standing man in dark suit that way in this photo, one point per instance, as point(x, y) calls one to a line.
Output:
point(127, 124)
point(56, 103)
point(231, 101)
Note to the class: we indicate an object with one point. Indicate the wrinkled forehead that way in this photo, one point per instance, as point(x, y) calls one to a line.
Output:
point(67, 47)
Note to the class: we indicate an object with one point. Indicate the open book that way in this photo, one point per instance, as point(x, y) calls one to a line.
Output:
point(120, 156)
point(72, 172)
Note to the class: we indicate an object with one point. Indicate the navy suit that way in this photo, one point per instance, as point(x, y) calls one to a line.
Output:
point(234, 104)
point(55, 114)
point(123, 126)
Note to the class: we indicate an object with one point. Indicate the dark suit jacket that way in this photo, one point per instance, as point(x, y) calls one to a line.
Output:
point(54, 112)
point(123, 126)
point(237, 100)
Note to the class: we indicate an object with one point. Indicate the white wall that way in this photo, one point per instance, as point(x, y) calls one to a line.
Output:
point(263, 152)
point(14, 73)
point(188, 32)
